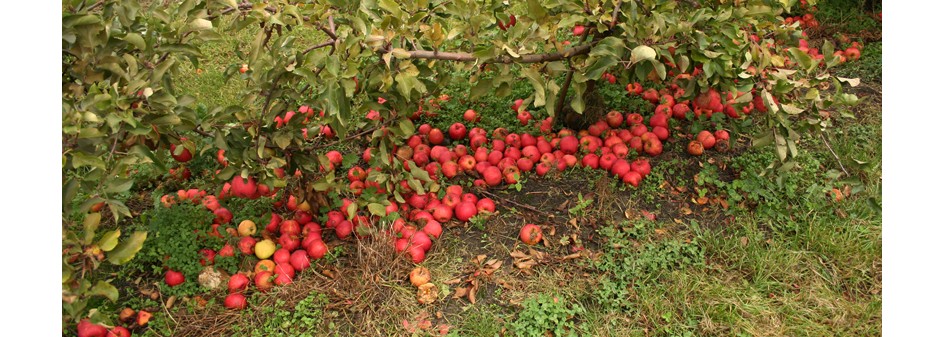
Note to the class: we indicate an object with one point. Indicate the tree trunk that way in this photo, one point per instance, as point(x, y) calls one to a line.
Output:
point(594, 109)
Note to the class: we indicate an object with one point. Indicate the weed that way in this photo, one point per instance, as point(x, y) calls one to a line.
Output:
point(176, 235)
point(869, 67)
point(302, 320)
point(636, 256)
point(578, 210)
point(549, 314)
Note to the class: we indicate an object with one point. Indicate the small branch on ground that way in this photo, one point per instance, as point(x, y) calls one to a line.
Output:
point(834, 154)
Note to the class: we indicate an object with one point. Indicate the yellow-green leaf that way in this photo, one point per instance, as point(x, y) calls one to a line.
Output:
point(377, 209)
point(641, 53)
point(91, 223)
point(106, 289)
point(127, 249)
point(108, 241)
point(400, 53)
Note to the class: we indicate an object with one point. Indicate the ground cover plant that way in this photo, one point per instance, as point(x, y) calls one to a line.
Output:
point(471, 168)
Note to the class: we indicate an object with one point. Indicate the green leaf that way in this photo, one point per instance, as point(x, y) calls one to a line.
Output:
point(179, 48)
point(791, 109)
point(67, 272)
point(108, 241)
point(802, 58)
point(136, 40)
point(577, 103)
point(482, 87)
point(536, 10)
point(415, 185)
point(536, 82)
point(127, 249)
point(118, 208)
point(764, 140)
point(80, 20)
point(377, 209)
point(352, 210)
point(80, 159)
point(391, 7)
point(118, 185)
point(201, 24)
point(282, 139)
point(106, 289)
point(780, 145)
point(406, 127)
point(642, 52)
point(660, 69)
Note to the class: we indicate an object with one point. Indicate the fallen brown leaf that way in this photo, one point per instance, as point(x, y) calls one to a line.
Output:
point(472, 291)
point(571, 256)
point(461, 292)
point(744, 241)
point(518, 255)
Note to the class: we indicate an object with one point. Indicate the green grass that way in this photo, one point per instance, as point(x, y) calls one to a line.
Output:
point(851, 15)
point(208, 84)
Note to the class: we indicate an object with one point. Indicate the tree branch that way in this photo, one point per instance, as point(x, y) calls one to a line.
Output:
point(563, 93)
point(320, 45)
point(613, 18)
point(331, 28)
point(530, 58)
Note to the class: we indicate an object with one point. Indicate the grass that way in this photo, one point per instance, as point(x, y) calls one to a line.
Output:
point(784, 260)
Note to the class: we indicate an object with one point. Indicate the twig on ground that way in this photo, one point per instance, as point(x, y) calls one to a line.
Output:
point(834, 154)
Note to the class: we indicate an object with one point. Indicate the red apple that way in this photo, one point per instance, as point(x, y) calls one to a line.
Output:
point(492, 176)
point(238, 283)
point(653, 147)
point(246, 245)
point(263, 280)
point(641, 165)
point(436, 136)
point(236, 301)
point(695, 148)
point(530, 234)
point(578, 30)
point(173, 278)
point(119, 331)
point(633, 178)
point(470, 116)
point(317, 249)
point(88, 329)
point(706, 138)
point(433, 228)
point(457, 131)
point(299, 260)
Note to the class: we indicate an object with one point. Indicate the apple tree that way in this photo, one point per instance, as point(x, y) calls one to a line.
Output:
point(377, 63)
point(120, 110)
point(382, 58)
